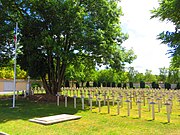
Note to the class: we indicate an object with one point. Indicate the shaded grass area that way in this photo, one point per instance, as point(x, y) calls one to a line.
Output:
point(15, 121)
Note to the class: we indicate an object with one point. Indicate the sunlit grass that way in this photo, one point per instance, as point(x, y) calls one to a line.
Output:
point(15, 121)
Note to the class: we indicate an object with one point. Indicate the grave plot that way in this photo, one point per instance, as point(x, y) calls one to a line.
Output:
point(55, 119)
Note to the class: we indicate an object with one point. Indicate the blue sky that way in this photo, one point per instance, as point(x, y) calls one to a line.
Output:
point(143, 31)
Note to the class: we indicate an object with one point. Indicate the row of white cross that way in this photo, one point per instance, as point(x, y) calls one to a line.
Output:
point(139, 96)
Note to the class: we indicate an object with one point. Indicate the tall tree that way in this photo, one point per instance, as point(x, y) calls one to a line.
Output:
point(55, 34)
point(131, 74)
point(163, 74)
point(149, 77)
point(169, 10)
point(6, 33)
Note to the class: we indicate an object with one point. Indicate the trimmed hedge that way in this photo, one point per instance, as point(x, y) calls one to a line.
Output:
point(142, 84)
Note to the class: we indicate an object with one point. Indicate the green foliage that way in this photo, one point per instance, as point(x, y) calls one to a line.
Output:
point(99, 84)
point(149, 77)
point(35, 84)
point(124, 85)
point(104, 84)
point(57, 34)
point(173, 75)
point(67, 83)
point(178, 85)
point(87, 84)
point(142, 84)
point(155, 85)
point(131, 84)
point(8, 72)
point(167, 85)
point(132, 74)
point(113, 84)
point(147, 86)
point(139, 77)
point(77, 85)
point(169, 10)
point(108, 84)
point(95, 84)
point(163, 74)
point(119, 85)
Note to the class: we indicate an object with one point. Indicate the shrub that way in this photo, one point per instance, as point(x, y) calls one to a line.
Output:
point(131, 84)
point(113, 84)
point(77, 85)
point(95, 84)
point(99, 84)
point(104, 84)
point(167, 85)
point(124, 85)
point(147, 86)
point(35, 84)
point(119, 85)
point(108, 84)
point(178, 86)
point(67, 83)
point(142, 84)
point(87, 84)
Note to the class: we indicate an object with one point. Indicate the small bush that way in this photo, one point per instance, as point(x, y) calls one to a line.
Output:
point(35, 85)
point(167, 85)
point(87, 84)
point(124, 85)
point(108, 84)
point(67, 83)
point(99, 84)
point(147, 86)
point(119, 85)
point(77, 85)
point(178, 86)
point(131, 84)
point(95, 84)
point(104, 84)
point(142, 84)
point(113, 84)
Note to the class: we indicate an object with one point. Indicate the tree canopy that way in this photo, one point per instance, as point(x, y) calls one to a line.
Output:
point(54, 34)
point(169, 10)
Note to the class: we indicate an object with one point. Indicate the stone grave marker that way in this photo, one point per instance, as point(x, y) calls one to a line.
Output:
point(82, 100)
point(99, 102)
point(159, 104)
point(108, 106)
point(128, 107)
point(90, 98)
point(74, 100)
point(66, 100)
point(168, 111)
point(139, 108)
point(153, 112)
point(118, 106)
point(148, 101)
point(57, 99)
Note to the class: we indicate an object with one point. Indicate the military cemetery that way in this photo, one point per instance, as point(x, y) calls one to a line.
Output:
point(95, 67)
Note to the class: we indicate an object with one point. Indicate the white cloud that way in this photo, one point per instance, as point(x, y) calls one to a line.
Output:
point(143, 33)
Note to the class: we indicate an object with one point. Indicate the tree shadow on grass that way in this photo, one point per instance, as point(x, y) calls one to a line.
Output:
point(26, 110)
point(165, 123)
point(136, 118)
point(150, 120)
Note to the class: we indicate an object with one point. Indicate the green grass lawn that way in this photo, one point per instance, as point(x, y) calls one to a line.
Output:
point(15, 121)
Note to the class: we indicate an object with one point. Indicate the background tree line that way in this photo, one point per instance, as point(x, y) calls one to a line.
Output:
point(108, 77)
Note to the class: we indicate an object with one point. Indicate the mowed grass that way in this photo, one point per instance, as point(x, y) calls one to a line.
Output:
point(16, 121)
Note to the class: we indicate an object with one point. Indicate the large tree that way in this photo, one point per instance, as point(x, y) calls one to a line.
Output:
point(58, 33)
point(6, 33)
point(169, 10)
